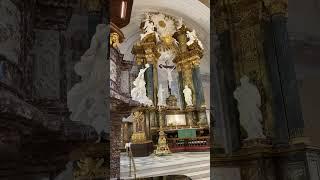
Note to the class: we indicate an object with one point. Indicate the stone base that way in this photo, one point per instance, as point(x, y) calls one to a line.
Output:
point(142, 149)
point(259, 142)
point(258, 162)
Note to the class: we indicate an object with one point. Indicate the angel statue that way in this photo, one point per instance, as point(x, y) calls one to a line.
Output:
point(192, 36)
point(187, 95)
point(249, 102)
point(148, 27)
point(139, 92)
point(180, 23)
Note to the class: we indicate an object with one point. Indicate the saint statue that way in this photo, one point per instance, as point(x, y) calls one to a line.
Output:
point(249, 102)
point(188, 95)
point(139, 92)
point(161, 99)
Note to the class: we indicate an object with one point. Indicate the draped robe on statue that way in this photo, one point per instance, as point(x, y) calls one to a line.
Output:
point(86, 100)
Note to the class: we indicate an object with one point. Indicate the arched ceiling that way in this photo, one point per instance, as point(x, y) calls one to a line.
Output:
point(195, 14)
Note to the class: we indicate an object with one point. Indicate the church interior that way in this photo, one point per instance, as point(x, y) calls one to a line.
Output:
point(169, 89)
point(159, 60)
point(248, 102)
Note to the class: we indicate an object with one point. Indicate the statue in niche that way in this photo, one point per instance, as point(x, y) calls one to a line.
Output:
point(161, 99)
point(86, 99)
point(187, 95)
point(249, 102)
point(192, 36)
point(139, 92)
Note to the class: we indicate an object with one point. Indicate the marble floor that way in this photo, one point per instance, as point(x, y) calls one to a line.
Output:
point(193, 164)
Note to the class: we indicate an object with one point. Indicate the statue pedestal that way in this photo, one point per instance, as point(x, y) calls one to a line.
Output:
point(189, 116)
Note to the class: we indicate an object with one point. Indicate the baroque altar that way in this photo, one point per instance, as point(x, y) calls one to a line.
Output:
point(167, 85)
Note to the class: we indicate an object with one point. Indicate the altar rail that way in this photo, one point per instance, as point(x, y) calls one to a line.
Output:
point(189, 144)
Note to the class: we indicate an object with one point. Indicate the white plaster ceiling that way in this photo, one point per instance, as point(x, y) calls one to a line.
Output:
point(195, 15)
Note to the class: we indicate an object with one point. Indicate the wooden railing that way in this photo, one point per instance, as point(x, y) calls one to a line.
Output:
point(189, 144)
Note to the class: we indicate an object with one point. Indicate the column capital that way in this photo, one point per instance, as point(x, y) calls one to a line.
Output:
point(276, 7)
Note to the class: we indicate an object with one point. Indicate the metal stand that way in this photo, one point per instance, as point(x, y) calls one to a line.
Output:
point(129, 153)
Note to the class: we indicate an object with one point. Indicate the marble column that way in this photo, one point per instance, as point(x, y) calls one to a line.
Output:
point(197, 83)
point(288, 84)
point(217, 124)
point(181, 87)
point(280, 122)
point(227, 85)
point(149, 82)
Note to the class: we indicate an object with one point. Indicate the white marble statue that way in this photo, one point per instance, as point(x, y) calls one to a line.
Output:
point(187, 95)
point(192, 36)
point(86, 99)
point(180, 23)
point(249, 102)
point(139, 92)
point(148, 28)
point(161, 98)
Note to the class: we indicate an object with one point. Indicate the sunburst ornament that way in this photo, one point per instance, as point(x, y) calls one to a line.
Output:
point(162, 24)
point(165, 24)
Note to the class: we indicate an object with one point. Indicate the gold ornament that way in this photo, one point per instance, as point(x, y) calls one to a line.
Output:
point(114, 40)
point(162, 24)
